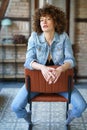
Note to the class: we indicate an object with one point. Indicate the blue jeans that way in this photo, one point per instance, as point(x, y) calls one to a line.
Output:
point(19, 103)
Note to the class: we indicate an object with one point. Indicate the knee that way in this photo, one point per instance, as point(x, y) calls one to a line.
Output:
point(82, 107)
point(14, 107)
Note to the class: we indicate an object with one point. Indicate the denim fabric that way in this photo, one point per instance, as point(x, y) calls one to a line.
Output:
point(19, 103)
point(61, 52)
point(38, 50)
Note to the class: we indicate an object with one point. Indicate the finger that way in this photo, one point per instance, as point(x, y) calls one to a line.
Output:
point(52, 75)
point(55, 80)
point(50, 82)
point(51, 69)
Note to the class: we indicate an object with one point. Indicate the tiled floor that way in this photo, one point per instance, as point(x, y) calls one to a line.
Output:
point(45, 116)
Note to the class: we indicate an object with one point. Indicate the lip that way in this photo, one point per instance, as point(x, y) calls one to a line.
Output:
point(45, 26)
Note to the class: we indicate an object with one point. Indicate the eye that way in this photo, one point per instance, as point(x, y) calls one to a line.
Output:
point(41, 20)
point(49, 18)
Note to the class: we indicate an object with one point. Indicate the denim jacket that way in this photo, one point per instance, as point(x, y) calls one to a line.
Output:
point(38, 50)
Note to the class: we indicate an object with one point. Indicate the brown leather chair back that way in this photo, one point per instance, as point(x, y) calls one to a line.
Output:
point(35, 82)
point(38, 83)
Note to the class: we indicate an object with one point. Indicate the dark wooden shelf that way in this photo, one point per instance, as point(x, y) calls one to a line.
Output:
point(12, 44)
point(12, 76)
point(12, 60)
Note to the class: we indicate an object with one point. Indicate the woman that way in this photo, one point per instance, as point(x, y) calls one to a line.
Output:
point(49, 45)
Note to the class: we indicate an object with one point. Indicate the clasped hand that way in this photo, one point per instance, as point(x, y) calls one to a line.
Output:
point(50, 74)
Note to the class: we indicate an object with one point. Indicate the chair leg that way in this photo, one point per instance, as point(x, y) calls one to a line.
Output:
point(29, 101)
point(69, 99)
point(68, 127)
point(30, 124)
point(31, 112)
point(67, 108)
point(30, 127)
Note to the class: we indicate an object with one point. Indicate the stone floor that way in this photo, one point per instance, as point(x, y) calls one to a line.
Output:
point(45, 116)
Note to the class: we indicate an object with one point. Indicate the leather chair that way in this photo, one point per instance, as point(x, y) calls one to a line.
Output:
point(35, 82)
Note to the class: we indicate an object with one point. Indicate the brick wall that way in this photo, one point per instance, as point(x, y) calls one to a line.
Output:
point(81, 8)
point(12, 56)
point(19, 9)
point(81, 38)
point(0, 3)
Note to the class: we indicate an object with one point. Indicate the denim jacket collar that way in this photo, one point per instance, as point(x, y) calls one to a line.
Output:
point(55, 39)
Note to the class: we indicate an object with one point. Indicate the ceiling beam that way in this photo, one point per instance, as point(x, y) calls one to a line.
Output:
point(3, 8)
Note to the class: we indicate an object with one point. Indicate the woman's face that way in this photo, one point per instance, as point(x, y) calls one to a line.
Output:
point(47, 23)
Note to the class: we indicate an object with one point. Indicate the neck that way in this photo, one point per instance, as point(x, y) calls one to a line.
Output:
point(49, 37)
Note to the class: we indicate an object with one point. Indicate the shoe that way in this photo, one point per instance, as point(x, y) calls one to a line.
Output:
point(70, 118)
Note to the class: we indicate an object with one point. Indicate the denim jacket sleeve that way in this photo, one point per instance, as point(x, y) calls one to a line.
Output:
point(68, 52)
point(30, 54)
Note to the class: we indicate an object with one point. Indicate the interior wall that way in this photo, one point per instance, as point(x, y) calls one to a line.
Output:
point(18, 9)
point(72, 22)
point(60, 3)
point(81, 39)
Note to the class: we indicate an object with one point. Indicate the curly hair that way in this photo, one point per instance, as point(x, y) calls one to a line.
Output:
point(57, 15)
